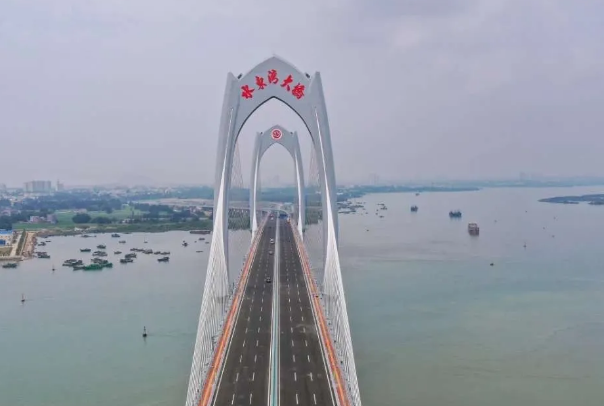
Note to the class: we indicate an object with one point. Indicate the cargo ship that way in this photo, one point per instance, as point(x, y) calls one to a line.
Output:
point(473, 229)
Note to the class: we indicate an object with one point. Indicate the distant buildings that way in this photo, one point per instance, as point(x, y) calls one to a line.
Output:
point(38, 186)
point(51, 218)
point(2, 187)
point(60, 186)
point(6, 238)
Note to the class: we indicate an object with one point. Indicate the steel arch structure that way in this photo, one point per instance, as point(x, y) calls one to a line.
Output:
point(289, 140)
point(273, 78)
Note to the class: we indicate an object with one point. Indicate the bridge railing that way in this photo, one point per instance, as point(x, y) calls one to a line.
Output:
point(218, 307)
point(334, 330)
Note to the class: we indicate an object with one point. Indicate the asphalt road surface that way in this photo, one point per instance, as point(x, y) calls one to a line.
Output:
point(244, 379)
point(303, 375)
point(303, 378)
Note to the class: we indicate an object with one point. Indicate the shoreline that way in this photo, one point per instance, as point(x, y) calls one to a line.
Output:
point(122, 228)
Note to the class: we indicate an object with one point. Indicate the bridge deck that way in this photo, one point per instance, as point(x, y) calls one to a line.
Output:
point(304, 378)
point(302, 373)
point(244, 379)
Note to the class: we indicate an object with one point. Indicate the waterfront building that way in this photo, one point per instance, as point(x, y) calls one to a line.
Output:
point(6, 238)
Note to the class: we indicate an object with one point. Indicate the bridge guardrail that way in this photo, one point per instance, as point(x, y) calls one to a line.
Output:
point(209, 381)
point(343, 398)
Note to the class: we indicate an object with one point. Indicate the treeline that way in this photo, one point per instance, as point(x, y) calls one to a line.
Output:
point(70, 201)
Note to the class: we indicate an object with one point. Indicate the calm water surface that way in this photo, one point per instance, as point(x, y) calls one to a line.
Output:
point(432, 322)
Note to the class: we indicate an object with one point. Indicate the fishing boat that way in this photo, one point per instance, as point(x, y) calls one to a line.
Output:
point(473, 229)
point(115, 235)
point(85, 250)
point(163, 259)
point(9, 265)
point(455, 214)
point(414, 208)
point(101, 246)
point(93, 267)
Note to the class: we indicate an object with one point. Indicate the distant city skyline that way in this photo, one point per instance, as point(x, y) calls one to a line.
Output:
point(372, 179)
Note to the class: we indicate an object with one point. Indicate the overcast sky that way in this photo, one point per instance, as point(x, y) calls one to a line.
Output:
point(103, 91)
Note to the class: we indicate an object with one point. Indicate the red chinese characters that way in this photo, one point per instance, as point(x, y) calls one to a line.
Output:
point(286, 82)
point(272, 77)
point(260, 82)
point(246, 92)
point(298, 91)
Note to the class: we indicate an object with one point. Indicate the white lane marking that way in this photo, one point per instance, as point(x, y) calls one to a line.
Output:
point(262, 300)
point(253, 376)
point(290, 308)
point(258, 329)
point(304, 330)
point(233, 399)
point(250, 398)
point(294, 358)
point(261, 318)
point(291, 329)
point(300, 308)
point(241, 356)
point(256, 343)
point(314, 398)
point(261, 308)
point(255, 358)
point(296, 398)
point(246, 330)
point(308, 358)
point(292, 343)
point(295, 377)
point(237, 377)
point(305, 343)
point(311, 377)
point(302, 318)
point(243, 343)
point(248, 318)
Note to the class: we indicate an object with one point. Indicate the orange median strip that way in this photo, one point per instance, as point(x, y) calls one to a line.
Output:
point(323, 327)
point(207, 390)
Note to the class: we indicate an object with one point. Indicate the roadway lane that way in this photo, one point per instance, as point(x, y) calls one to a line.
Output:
point(303, 375)
point(244, 379)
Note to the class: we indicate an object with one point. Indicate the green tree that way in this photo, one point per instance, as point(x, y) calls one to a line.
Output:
point(101, 220)
point(81, 218)
point(5, 223)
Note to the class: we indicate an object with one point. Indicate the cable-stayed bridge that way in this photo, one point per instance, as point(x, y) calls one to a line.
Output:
point(274, 331)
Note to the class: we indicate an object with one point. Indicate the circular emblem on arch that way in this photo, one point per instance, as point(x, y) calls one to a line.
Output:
point(276, 134)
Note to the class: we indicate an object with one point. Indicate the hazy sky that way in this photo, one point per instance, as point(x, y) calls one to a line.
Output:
point(101, 91)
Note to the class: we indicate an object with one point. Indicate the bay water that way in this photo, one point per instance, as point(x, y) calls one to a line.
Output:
point(433, 322)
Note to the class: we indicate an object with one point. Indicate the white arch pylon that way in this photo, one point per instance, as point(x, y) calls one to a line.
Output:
point(289, 140)
point(272, 79)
